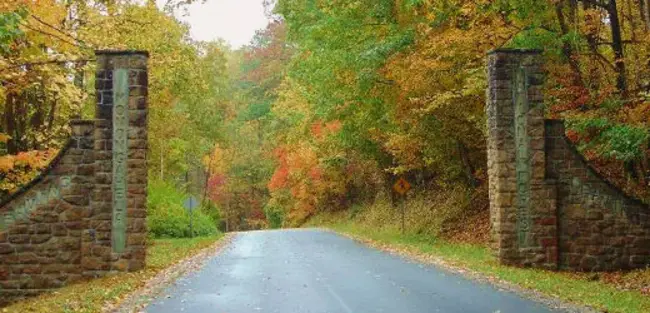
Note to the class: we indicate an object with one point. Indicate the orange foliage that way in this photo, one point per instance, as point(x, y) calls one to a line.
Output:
point(280, 177)
point(321, 129)
point(18, 170)
point(300, 173)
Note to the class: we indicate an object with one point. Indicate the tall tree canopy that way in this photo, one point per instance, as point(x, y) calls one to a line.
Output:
point(375, 89)
point(335, 99)
point(46, 69)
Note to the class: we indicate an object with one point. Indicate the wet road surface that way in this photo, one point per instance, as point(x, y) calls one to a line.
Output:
point(314, 271)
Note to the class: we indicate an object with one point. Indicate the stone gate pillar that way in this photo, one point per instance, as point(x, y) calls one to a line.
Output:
point(522, 200)
point(115, 240)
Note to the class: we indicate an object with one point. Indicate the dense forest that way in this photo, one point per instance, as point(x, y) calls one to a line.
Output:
point(330, 104)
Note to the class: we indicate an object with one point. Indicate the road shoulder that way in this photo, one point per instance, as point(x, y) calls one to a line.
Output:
point(413, 254)
point(155, 286)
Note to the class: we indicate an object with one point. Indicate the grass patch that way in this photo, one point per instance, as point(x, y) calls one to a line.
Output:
point(93, 295)
point(578, 288)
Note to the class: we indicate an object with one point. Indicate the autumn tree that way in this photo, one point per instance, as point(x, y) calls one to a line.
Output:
point(46, 66)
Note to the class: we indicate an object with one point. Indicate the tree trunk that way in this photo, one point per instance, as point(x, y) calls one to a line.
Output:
point(644, 8)
point(573, 12)
point(617, 46)
point(9, 123)
point(162, 161)
point(390, 180)
point(468, 169)
point(50, 118)
point(207, 179)
point(566, 48)
point(630, 170)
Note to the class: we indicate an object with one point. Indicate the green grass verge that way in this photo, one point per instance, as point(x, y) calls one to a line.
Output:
point(570, 287)
point(93, 295)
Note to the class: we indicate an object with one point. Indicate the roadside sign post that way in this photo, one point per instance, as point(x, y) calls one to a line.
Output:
point(402, 187)
point(403, 217)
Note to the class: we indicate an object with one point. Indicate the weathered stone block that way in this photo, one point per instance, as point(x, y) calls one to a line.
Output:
point(39, 239)
point(18, 229)
point(6, 248)
point(137, 103)
point(121, 265)
point(23, 258)
point(101, 251)
point(136, 264)
point(9, 284)
point(19, 239)
point(100, 225)
point(136, 239)
point(136, 213)
point(64, 170)
point(137, 144)
point(642, 243)
point(86, 169)
point(95, 264)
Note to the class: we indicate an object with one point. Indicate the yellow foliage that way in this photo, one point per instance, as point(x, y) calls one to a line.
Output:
point(6, 163)
point(4, 138)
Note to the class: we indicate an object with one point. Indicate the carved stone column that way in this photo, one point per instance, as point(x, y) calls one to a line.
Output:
point(522, 201)
point(117, 226)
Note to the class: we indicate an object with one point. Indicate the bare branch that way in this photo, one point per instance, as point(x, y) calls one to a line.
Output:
point(47, 62)
point(38, 19)
point(54, 36)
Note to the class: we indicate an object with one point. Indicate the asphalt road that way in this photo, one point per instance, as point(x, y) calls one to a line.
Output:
point(313, 271)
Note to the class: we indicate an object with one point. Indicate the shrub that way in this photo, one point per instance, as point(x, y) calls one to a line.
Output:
point(167, 218)
point(274, 215)
point(429, 213)
point(212, 210)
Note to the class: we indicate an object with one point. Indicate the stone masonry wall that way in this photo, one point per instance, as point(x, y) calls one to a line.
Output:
point(40, 232)
point(548, 208)
point(67, 224)
point(600, 229)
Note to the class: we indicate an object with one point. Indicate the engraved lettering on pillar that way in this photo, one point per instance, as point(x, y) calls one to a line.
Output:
point(523, 159)
point(120, 154)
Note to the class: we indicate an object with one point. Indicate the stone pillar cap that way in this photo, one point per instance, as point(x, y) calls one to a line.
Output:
point(122, 52)
point(515, 51)
point(82, 122)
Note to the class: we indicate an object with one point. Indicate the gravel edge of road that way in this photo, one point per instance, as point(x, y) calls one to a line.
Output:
point(428, 259)
point(139, 299)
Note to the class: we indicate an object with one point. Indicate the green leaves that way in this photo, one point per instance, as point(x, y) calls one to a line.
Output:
point(10, 28)
point(256, 111)
point(618, 141)
point(625, 142)
point(167, 218)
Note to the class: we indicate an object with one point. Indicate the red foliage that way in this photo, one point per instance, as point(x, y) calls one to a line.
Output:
point(320, 130)
point(216, 186)
point(317, 129)
point(280, 178)
point(571, 98)
point(316, 174)
point(334, 126)
point(573, 136)
point(268, 53)
point(257, 214)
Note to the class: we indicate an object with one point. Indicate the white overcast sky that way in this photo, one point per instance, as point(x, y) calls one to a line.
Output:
point(235, 21)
